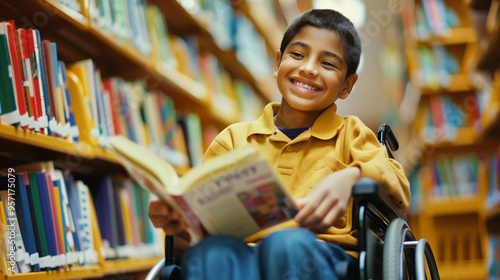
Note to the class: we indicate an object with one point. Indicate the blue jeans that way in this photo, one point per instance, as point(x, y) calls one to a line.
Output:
point(290, 254)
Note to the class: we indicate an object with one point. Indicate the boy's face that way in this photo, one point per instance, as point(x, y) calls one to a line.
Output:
point(311, 74)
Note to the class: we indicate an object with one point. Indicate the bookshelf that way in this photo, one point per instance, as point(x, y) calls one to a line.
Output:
point(81, 35)
point(487, 67)
point(454, 126)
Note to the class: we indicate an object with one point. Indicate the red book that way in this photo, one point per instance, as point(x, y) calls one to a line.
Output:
point(109, 85)
point(50, 74)
point(35, 73)
point(28, 82)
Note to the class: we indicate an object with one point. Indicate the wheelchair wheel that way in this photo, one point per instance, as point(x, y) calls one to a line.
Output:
point(395, 260)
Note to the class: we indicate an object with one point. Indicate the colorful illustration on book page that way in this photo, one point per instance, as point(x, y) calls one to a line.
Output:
point(267, 205)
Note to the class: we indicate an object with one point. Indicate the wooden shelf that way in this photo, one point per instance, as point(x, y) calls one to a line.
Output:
point(458, 83)
point(466, 136)
point(452, 206)
point(462, 270)
point(109, 267)
point(129, 265)
point(453, 37)
point(88, 271)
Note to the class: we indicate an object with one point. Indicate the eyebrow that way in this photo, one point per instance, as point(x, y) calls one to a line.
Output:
point(328, 53)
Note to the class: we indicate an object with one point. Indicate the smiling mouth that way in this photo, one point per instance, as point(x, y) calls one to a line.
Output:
point(306, 86)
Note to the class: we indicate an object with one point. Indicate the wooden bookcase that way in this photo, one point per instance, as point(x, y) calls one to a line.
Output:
point(444, 58)
point(78, 38)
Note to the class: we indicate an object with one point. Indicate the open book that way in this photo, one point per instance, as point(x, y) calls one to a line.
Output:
point(235, 194)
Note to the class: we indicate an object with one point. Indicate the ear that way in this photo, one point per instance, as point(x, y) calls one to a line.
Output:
point(278, 62)
point(348, 85)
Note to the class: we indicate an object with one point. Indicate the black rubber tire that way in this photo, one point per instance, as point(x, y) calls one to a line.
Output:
point(393, 250)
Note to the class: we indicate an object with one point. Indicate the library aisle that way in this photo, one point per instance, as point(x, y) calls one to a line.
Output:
point(171, 74)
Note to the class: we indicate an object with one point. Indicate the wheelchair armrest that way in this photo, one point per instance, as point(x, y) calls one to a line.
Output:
point(369, 193)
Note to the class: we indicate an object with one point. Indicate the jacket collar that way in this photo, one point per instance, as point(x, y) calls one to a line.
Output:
point(325, 127)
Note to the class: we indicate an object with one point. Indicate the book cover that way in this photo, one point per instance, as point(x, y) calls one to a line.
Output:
point(37, 213)
point(25, 221)
point(236, 194)
point(9, 111)
point(44, 121)
point(15, 239)
point(86, 224)
point(69, 230)
point(69, 112)
point(7, 267)
point(28, 79)
point(81, 107)
point(103, 197)
point(35, 75)
point(58, 221)
point(50, 75)
point(75, 213)
point(48, 219)
point(9, 29)
point(85, 71)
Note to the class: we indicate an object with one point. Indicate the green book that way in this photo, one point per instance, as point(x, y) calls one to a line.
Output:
point(8, 106)
point(37, 209)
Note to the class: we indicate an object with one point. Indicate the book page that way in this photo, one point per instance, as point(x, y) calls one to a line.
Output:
point(241, 201)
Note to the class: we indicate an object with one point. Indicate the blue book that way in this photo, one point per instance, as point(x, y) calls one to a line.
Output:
point(70, 116)
point(103, 195)
point(119, 217)
point(24, 218)
point(47, 213)
point(74, 206)
point(57, 188)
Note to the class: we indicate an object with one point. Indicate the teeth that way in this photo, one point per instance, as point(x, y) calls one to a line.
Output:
point(306, 86)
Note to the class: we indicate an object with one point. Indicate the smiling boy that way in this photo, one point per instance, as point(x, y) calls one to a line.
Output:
point(318, 154)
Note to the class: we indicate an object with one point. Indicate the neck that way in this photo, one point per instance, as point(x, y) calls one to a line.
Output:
point(288, 117)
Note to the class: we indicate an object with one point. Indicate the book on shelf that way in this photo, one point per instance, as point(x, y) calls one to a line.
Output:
point(53, 238)
point(162, 54)
point(236, 194)
point(8, 110)
point(9, 29)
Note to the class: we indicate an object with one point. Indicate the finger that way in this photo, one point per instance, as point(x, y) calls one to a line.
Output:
point(320, 212)
point(330, 218)
point(308, 209)
point(158, 208)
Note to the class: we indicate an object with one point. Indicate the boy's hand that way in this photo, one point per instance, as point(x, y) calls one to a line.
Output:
point(328, 200)
point(165, 218)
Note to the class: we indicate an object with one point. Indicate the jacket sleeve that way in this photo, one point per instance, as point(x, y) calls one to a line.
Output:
point(371, 157)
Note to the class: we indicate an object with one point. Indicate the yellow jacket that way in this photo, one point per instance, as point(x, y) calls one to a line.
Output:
point(333, 143)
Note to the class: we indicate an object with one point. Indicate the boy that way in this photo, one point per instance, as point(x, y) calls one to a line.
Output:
point(318, 154)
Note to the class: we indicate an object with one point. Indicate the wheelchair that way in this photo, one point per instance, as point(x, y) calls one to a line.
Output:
point(387, 248)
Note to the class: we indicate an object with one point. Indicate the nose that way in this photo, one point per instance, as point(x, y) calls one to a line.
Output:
point(309, 68)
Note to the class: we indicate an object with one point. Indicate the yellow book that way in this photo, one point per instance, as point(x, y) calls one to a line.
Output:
point(81, 107)
point(236, 194)
point(96, 233)
point(8, 266)
point(127, 219)
point(81, 84)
